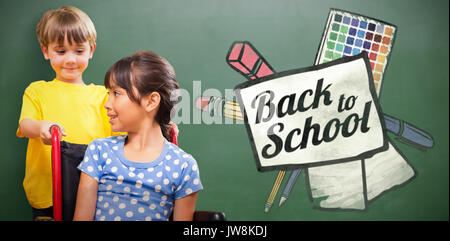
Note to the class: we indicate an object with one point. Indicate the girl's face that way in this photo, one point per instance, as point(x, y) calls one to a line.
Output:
point(68, 60)
point(125, 114)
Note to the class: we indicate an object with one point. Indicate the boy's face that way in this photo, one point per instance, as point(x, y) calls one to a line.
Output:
point(68, 60)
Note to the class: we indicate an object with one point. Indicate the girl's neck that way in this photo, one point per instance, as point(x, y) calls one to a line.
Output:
point(148, 137)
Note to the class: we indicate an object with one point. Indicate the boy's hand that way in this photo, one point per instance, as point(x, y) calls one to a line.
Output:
point(46, 135)
point(31, 128)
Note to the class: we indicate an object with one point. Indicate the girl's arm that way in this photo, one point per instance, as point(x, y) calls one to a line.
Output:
point(185, 207)
point(86, 198)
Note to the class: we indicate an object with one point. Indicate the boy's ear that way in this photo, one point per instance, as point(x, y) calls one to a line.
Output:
point(92, 50)
point(45, 52)
point(151, 102)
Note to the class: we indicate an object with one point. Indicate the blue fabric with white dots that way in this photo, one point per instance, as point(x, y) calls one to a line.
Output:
point(138, 190)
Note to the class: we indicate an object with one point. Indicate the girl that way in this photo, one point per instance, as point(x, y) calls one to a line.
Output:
point(139, 176)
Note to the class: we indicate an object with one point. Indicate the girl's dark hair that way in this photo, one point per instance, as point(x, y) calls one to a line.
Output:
point(147, 72)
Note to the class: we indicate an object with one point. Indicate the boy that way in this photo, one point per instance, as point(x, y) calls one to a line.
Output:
point(67, 38)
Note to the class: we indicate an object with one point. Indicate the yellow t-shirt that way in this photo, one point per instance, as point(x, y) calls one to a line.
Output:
point(79, 109)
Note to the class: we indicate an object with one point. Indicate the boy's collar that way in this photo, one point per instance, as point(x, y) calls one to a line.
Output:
point(59, 81)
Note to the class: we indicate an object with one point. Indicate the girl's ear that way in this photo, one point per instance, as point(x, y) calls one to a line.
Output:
point(45, 52)
point(151, 102)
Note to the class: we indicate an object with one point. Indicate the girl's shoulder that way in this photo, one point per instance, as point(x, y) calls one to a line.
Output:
point(176, 153)
point(108, 142)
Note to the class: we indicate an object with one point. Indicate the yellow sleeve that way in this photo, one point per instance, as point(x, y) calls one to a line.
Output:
point(31, 107)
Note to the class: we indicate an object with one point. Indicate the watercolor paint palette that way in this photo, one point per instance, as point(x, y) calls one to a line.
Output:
point(348, 34)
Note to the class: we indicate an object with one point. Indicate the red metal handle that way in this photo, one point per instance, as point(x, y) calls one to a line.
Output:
point(174, 135)
point(56, 164)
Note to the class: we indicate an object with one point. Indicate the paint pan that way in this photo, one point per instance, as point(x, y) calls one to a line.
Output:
point(347, 34)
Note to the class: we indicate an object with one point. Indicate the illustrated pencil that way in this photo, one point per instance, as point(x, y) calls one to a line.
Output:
point(274, 191)
point(216, 106)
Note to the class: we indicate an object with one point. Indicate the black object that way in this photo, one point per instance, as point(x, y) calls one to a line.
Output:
point(206, 216)
point(71, 156)
point(209, 216)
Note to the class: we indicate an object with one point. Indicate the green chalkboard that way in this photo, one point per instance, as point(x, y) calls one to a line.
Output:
point(195, 37)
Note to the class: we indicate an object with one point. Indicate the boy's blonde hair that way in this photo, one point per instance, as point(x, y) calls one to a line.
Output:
point(66, 20)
